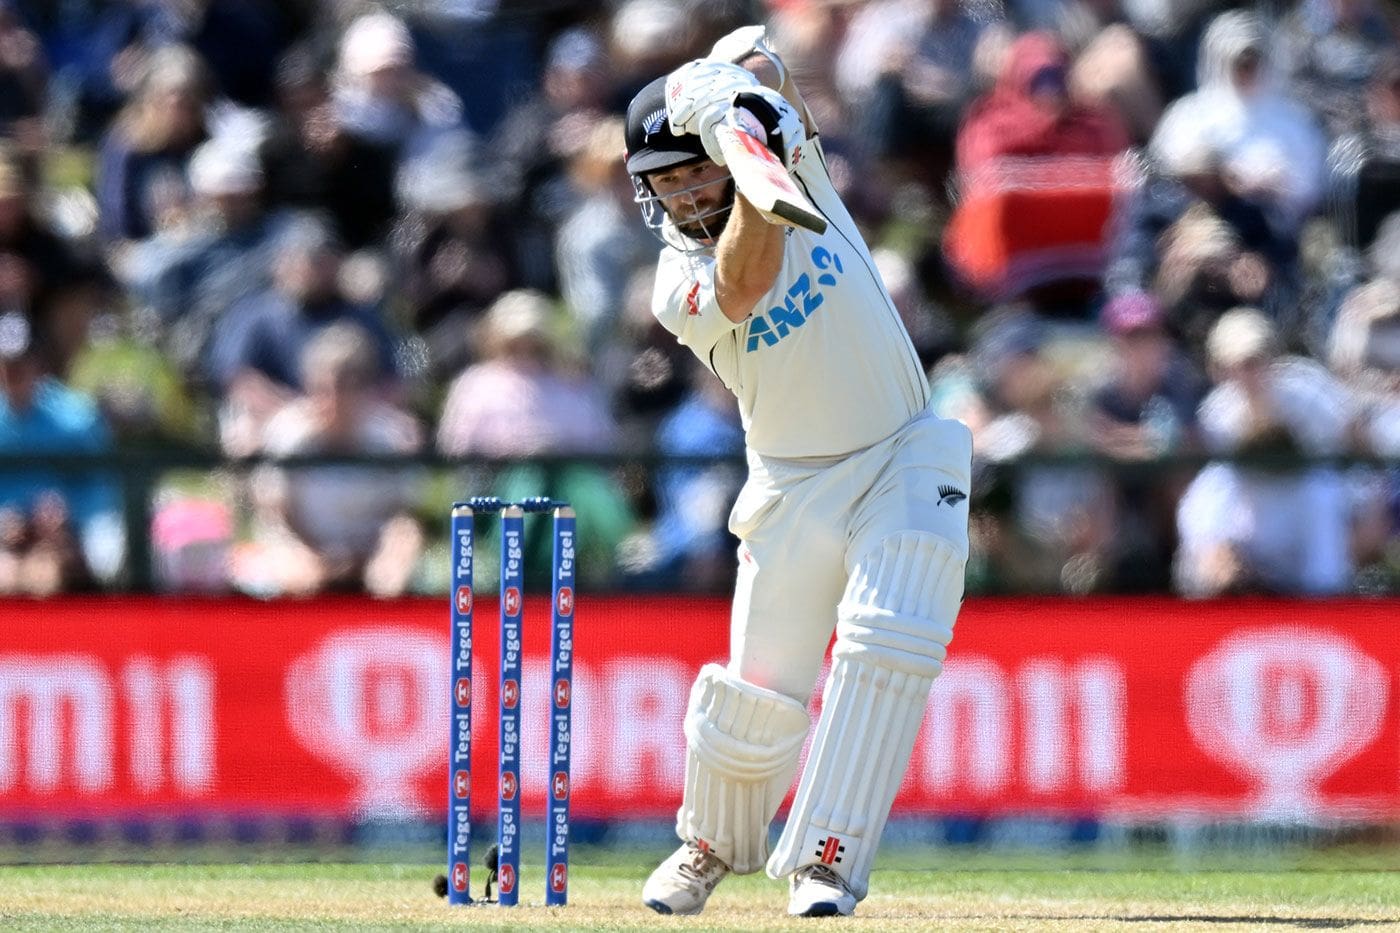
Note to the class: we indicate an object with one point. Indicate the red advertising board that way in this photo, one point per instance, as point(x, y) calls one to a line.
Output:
point(339, 707)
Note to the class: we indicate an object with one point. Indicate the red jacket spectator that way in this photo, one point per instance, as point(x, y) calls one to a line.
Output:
point(1029, 112)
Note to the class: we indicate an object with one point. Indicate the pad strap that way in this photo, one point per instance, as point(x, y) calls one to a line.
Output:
point(743, 744)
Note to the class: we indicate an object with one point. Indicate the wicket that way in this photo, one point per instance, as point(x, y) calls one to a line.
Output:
point(560, 727)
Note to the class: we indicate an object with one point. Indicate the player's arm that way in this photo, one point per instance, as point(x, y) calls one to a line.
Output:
point(748, 258)
point(749, 253)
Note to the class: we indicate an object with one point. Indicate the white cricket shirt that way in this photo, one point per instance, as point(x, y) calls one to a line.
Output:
point(822, 366)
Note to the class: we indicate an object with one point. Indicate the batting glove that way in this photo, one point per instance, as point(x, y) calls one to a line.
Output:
point(698, 97)
point(768, 117)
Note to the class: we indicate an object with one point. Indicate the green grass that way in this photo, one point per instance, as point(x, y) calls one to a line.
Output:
point(912, 890)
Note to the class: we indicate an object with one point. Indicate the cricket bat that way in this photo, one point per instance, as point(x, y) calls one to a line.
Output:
point(765, 182)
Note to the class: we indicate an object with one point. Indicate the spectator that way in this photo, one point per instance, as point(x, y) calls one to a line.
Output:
point(65, 312)
point(379, 97)
point(1030, 113)
point(599, 245)
point(1328, 50)
point(1175, 28)
point(647, 38)
point(542, 135)
point(192, 541)
point(191, 275)
point(693, 548)
point(1363, 190)
point(1192, 181)
point(1273, 526)
point(574, 92)
point(92, 52)
point(142, 167)
point(255, 355)
point(523, 400)
point(147, 402)
point(1364, 352)
point(1364, 346)
point(519, 400)
point(34, 260)
point(98, 44)
point(483, 51)
point(1144, 407)
point(881, 39)
point(455, 249)
point(312, 163)
point(920, 56)
point(336, 527)
point(807, 34)
point(239, 39)
point(39, 555)
point(642, 368)
point(1037, 185)
point(24, 82)
point(1270, 149)
point(57, 531)
point(1115, 64)
point(1365, 165)
point(1057, 530)
point(1204, 270)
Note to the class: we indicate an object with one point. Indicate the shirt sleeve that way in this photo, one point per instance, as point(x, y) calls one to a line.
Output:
point(685, 302)
point(233, 346)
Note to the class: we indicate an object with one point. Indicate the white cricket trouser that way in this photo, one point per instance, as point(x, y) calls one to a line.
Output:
point(804, 527)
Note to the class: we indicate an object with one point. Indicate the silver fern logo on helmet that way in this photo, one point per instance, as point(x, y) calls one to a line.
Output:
point(652, 124)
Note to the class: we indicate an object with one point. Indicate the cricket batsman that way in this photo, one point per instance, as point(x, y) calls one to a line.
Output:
point(854, 514)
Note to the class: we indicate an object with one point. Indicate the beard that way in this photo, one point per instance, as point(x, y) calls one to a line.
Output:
point(712, 225)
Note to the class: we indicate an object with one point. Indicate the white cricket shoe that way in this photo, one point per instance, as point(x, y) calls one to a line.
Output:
point(817, 891)
point(682, 883)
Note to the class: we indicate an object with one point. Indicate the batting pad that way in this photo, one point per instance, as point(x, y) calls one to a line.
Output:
point(743, 742)
point(895, 622)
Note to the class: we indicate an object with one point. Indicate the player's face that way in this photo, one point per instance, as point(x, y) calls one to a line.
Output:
point(697, 196)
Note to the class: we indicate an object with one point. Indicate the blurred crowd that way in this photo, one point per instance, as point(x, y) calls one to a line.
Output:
point(1118, 231)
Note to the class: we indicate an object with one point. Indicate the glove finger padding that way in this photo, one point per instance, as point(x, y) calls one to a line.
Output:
point(699, 93)
point(770, 118)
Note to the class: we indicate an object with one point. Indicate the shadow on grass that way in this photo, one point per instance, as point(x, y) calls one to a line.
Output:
point(1302, 923)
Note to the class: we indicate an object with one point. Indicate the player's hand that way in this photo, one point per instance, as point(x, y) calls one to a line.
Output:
point(698, 97)
point(740, 43)
point(745, 41)
point(770, 118)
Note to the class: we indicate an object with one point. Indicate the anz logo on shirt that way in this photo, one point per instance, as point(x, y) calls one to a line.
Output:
point(801, 300)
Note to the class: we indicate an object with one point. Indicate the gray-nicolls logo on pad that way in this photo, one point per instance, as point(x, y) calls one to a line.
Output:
point(950, 496)
point(829, 850)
